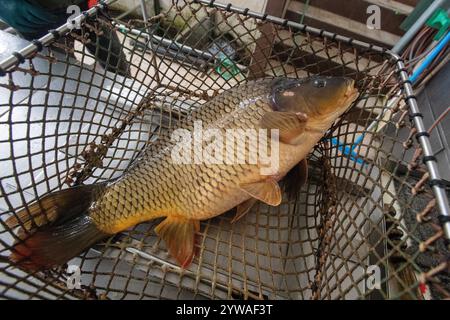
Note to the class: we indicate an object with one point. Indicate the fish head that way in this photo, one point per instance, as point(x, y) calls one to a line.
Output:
point(321, 98)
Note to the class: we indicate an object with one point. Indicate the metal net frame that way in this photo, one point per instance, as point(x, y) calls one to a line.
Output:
point(373, 204)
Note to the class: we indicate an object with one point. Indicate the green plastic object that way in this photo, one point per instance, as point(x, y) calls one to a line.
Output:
point(440, 21)
point(227, 68)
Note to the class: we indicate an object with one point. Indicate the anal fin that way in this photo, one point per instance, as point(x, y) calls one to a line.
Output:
point(179, 235)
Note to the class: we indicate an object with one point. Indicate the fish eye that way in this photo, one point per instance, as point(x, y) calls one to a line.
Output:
point(318, 83)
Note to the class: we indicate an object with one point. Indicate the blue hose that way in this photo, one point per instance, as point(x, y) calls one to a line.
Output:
point(429, 59)
point(349, 150)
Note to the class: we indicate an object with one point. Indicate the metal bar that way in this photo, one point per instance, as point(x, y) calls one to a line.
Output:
point(439, 190)
point(398, 48)
point(154, 43)
point(168, 43)
point(144, 10)
point(294, 25)
point(49, 38)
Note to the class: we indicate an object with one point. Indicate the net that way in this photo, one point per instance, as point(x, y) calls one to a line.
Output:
point(365, 226)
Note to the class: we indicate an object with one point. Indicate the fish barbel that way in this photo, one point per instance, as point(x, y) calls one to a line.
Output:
point(299, 111)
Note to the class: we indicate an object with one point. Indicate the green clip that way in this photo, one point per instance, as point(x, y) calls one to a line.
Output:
point(230, 67)
point(440, 21)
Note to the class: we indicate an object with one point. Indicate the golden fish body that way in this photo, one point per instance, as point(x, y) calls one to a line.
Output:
point(156, 186)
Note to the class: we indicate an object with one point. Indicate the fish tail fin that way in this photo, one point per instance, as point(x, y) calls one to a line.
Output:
point(55, 229)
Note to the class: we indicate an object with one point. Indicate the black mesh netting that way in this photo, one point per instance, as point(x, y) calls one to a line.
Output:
point(71, 119)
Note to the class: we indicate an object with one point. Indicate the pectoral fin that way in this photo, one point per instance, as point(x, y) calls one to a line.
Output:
point(267, 191)
point(243, 209)
point(290, 124)
point(295, 179)
point(179, 236)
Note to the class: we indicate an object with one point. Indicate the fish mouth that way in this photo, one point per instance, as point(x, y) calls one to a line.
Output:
point(352, 92)
point(350, 95)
